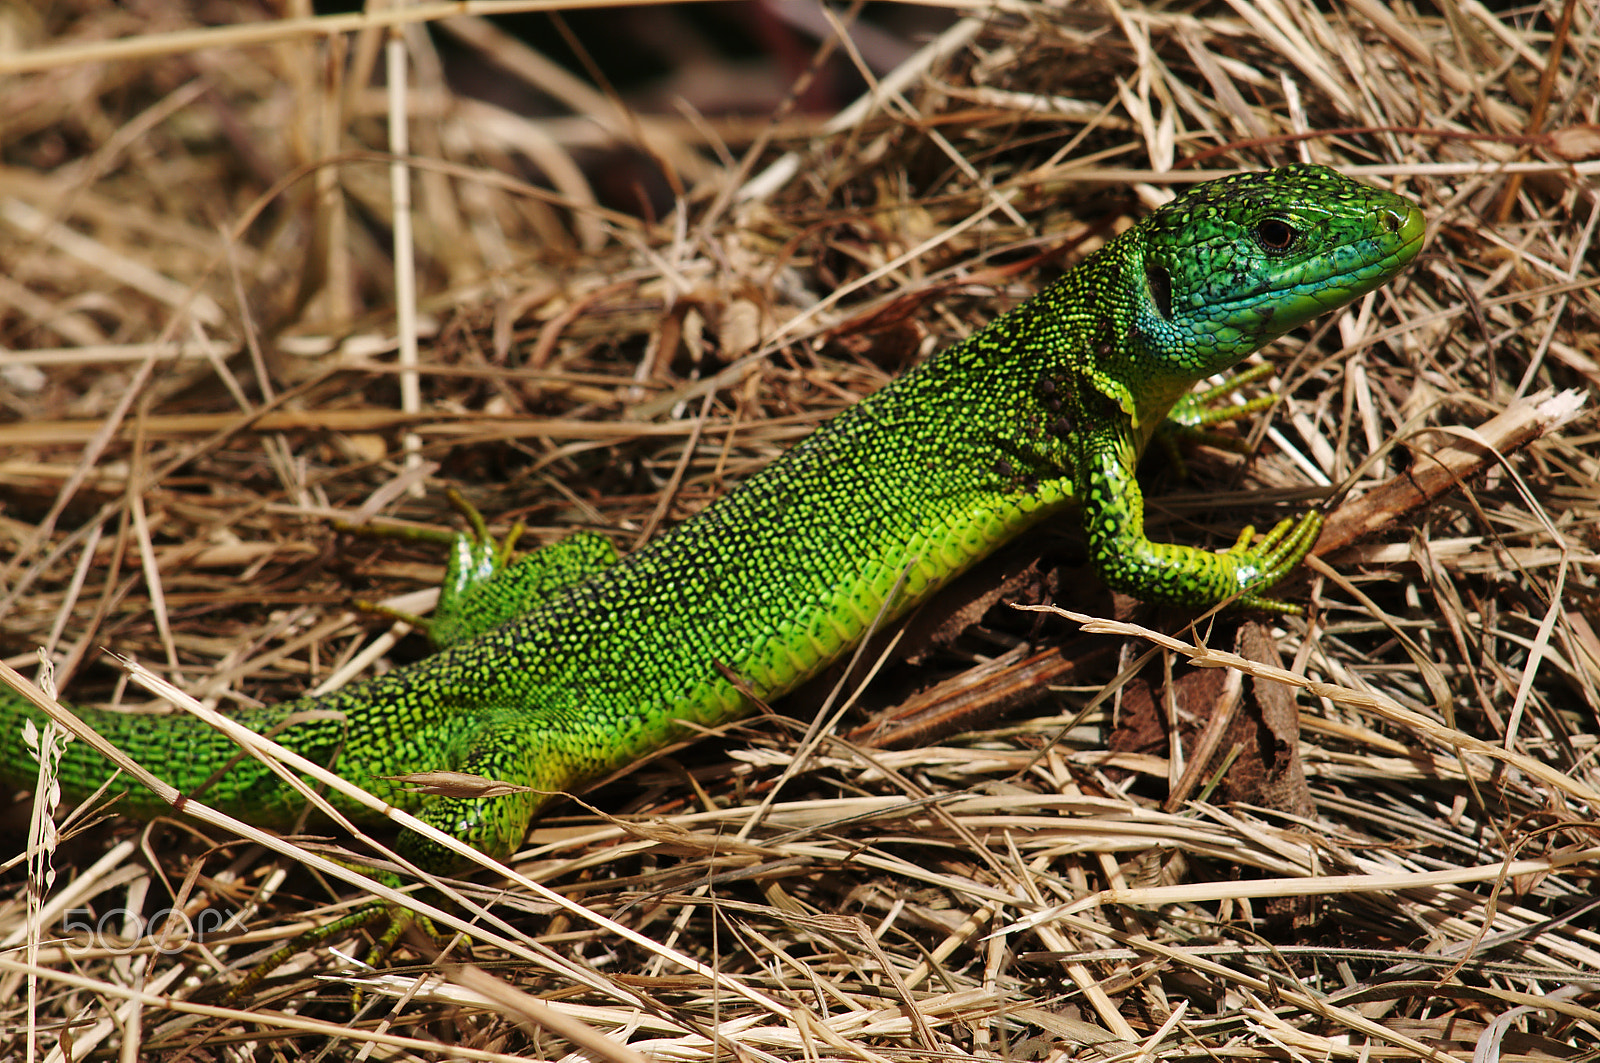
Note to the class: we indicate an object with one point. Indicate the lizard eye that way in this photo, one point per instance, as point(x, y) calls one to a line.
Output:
point(1275, 235)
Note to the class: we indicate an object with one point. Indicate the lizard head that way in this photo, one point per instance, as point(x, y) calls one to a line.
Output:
point(1234, 263)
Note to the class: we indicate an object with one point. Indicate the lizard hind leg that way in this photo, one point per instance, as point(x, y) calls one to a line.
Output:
point(486, 801)
point(482, 586)
point(493, 589)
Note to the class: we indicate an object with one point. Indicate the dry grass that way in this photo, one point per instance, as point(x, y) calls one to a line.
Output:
point(199, 366)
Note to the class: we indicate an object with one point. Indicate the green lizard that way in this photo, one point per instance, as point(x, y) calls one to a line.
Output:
point(570, 664)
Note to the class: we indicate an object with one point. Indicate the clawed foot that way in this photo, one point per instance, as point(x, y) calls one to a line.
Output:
point(1191, 420)
point(1265, 563)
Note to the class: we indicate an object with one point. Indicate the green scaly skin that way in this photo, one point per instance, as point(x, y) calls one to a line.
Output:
point(568, 665)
